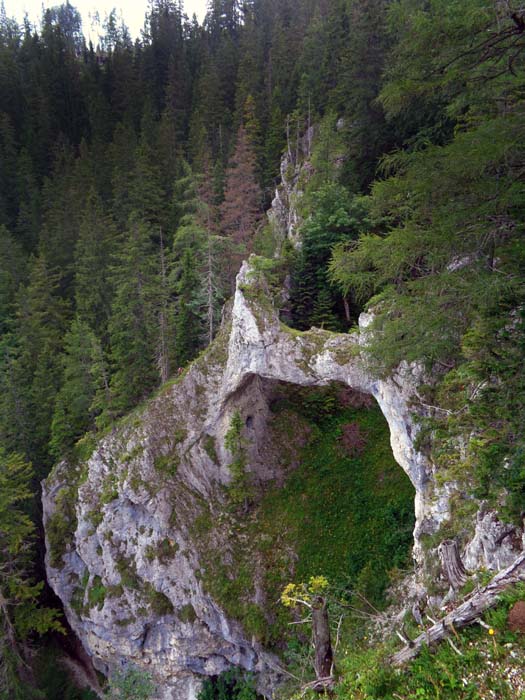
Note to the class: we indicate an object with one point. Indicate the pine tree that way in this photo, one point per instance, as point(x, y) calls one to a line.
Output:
point(360, 71)
point(197, 233)
point(122, 159)
point(8, 162)
point(94, 253)
point(210, 122)
point(188, 321)
point(133, 323)
point(241, 209)
point(323, 315)
point(63, 198)
point(15, 424)
point(187, 256)
point(39, 327)
point(72, 416)
point(20, 613)
point(250, 73)
point(28, 221)
point(164, 314)
point(273, 147)
point(333, 219)
point(175, 116)
point(12, 274)
point(146, 194)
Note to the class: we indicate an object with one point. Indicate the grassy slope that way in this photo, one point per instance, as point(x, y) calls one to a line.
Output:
point(349, 518)
point(489, 666)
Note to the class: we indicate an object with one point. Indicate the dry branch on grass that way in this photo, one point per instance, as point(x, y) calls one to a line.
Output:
point(466, 613)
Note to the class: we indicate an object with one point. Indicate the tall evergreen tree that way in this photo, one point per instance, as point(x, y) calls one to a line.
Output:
point(29, 214)
point(133, 322)
point(12, 274)
point(63, 197)
point(9, 194)
point(333, 220)
point(72, 415)
point(96, 246)
point(122, 159)
point(241, 209)
point(39, 328)
point(188, 324)
point(20, 613)
point(147, 194)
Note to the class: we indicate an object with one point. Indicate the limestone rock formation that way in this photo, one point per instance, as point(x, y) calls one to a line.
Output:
point(295, 172)
point(123, 527)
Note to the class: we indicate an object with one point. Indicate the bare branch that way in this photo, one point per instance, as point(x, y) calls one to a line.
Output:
point(466, 613)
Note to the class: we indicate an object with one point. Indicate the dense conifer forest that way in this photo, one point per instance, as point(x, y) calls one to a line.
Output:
point(136, 175)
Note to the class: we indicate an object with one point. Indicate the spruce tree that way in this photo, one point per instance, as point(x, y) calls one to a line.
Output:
point(274, 147)
point(63, 203)
point(20, 613)
point(241, 209)
point(28, 219)
point(197, 233)
point(12, 274)
point(72, 415)
point(132, 326)
point(94, 253)
point(333, 220)
point(39, 328)
point(122, 159)
point(8, 163)
point(147, 193)
point(188, 323)
point(164, 306)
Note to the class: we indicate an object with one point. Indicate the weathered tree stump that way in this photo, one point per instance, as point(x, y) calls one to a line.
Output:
point(324, 658)
point(452, 565)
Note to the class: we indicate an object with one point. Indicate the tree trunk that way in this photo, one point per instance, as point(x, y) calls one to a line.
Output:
point(322, 643)
point(347, 309)
point(452, 565)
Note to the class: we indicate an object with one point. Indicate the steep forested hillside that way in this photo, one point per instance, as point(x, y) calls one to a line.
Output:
point(134, 179)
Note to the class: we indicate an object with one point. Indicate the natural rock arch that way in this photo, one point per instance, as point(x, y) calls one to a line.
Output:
point(259, 344)
point(137, 495)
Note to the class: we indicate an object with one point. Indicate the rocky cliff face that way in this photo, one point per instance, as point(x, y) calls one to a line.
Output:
point(124, 528)
point(284, 216)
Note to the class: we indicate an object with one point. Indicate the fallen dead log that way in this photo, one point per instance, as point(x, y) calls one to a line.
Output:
point(466, 613)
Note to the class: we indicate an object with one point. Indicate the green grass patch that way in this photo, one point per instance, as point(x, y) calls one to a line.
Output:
point(97, 593)
point(128, 573)
point(483, 670)
point(167, 464)
point(163, 551)
point(210, 448)
point(187, 614)
point(344, 513)
point(158, 603)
